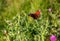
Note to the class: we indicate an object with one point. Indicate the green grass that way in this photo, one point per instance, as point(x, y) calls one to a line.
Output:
point(16, 25)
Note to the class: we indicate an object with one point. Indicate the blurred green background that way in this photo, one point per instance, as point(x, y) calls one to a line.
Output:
point(16, 25)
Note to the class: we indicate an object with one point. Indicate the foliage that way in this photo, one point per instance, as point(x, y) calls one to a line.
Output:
point(16, 25)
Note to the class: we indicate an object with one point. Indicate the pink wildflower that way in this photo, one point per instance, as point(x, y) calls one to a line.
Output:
point(53, 38)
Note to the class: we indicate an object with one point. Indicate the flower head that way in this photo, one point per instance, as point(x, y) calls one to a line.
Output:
point(50, 9)
point(53, 38)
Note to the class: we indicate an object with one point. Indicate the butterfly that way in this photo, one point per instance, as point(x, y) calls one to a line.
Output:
point(35, 15)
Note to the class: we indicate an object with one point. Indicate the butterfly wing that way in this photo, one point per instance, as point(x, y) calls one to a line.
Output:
point(35, 16)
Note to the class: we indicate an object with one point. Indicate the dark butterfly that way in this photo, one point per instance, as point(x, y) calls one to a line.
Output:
point(35, 15)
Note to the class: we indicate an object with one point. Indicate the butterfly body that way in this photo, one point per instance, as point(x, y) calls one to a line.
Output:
point(35, 15)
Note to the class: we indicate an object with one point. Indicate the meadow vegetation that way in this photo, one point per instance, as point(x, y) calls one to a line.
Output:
point(16, 25)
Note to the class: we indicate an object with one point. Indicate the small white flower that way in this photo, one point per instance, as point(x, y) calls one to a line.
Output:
point(4, 32)
point(50, 9)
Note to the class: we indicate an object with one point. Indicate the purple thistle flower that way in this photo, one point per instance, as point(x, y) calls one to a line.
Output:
point(53, 38)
